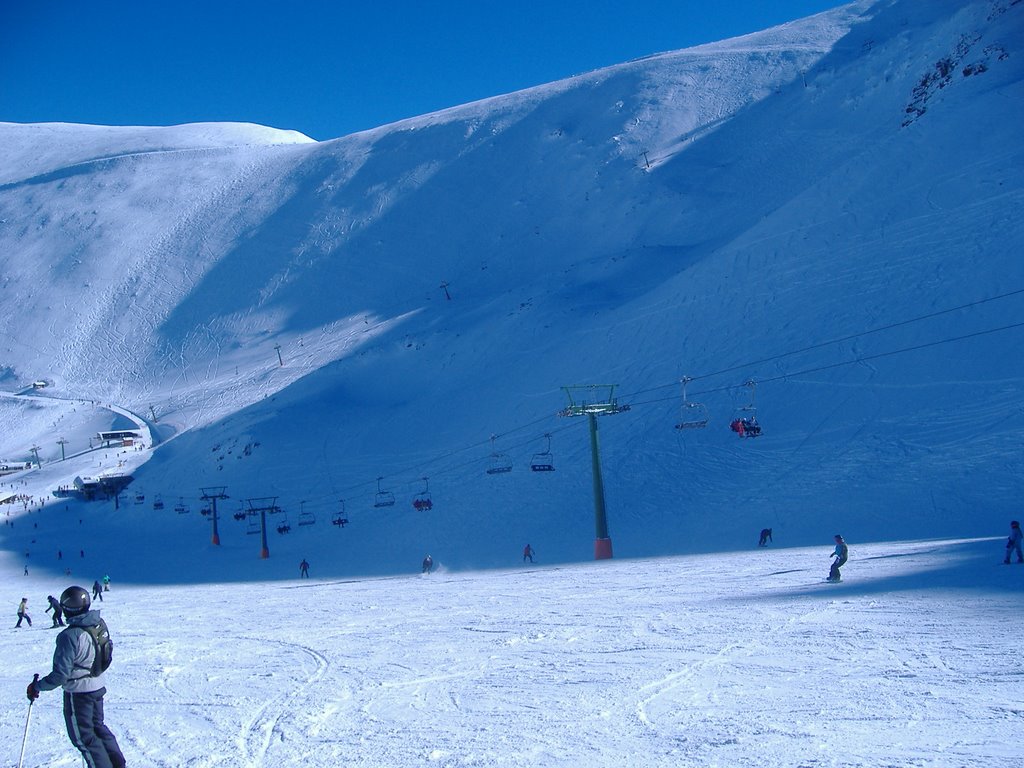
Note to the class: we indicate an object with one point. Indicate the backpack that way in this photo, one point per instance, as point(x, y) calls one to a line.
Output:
point(103, 645)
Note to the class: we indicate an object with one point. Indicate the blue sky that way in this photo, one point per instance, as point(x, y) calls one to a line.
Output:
point(327, 68)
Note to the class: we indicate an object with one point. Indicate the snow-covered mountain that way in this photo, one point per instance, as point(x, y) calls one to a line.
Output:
point(829, 209)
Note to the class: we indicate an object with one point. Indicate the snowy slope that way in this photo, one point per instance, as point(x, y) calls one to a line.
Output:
point(719, 212)
point(737, 659)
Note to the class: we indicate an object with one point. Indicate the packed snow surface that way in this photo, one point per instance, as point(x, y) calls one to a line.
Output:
point(738, 659)
point(817, 225)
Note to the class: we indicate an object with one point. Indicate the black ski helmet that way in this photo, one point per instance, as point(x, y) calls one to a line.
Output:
point(75, 601)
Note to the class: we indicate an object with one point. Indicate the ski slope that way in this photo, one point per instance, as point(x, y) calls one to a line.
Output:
point(744, 658)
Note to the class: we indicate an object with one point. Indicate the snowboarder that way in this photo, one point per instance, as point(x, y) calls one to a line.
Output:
point(97, 591)
point(1014, 543)
point(841, 555)
point(528, 553)
point(23, 613)
point(303, 569)
point(428, 564)
point(766, 536)
point(106, 583)
point(58, 612)
point(83, 691)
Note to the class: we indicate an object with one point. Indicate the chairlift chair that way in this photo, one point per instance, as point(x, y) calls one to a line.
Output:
point(158, 503)
point(253, 526)
point(306, 518)
point(140, 497)
point(692, 415)
point(423, 502)
point(181, 508)
point(744, 422)
point(240, 514)
point(338, 518)
point(284, 526)
point(498, 463)
point(543, 461)
point(383, 498)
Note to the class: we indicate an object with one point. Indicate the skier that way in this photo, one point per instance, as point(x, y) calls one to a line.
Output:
point(766, 536)
point(303, 569)
point(23, 613)
point(106, 583)
point(83, 692)
point(97, 591)
point(528, 553)
point(1014, 543)
point(428, 564)
point(58, 612)
point(841, 555)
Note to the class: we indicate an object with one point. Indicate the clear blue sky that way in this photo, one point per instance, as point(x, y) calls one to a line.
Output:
point(328, 68)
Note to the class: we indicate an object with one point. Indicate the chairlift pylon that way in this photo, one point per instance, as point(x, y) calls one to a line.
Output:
point(691, 415)
point(383, 498)
point(423, 502)
point(498, 463)
point(543, 461)
point(744, 422)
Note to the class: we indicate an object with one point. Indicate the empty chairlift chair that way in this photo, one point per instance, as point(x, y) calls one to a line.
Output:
point(543, 461)
point(498, 463)
point(691, 415)
point(305, 518)
point(383, 498)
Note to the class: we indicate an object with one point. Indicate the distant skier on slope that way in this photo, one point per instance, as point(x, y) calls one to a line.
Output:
point(841, 555)
point(23, 613)
point(1014, 543)
point(303, 569)
point(428, 564)
point(766, 536)
point(58, 612)
point(528, 552)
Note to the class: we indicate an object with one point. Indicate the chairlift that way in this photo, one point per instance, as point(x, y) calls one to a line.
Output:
point(338, 518)
point(158, 503)
point(423, 502)
point(543, 461)
point(744, 421)
point(692, 415)
point(205, 511)
point(498, 463)
point(306, 518)
point(254, 525)
point(140, 497)
point(181, 507)
point(284, 526)
point(241, 514)
point(383, 498)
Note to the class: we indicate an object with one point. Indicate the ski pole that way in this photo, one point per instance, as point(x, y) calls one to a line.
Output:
point(28, 718)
